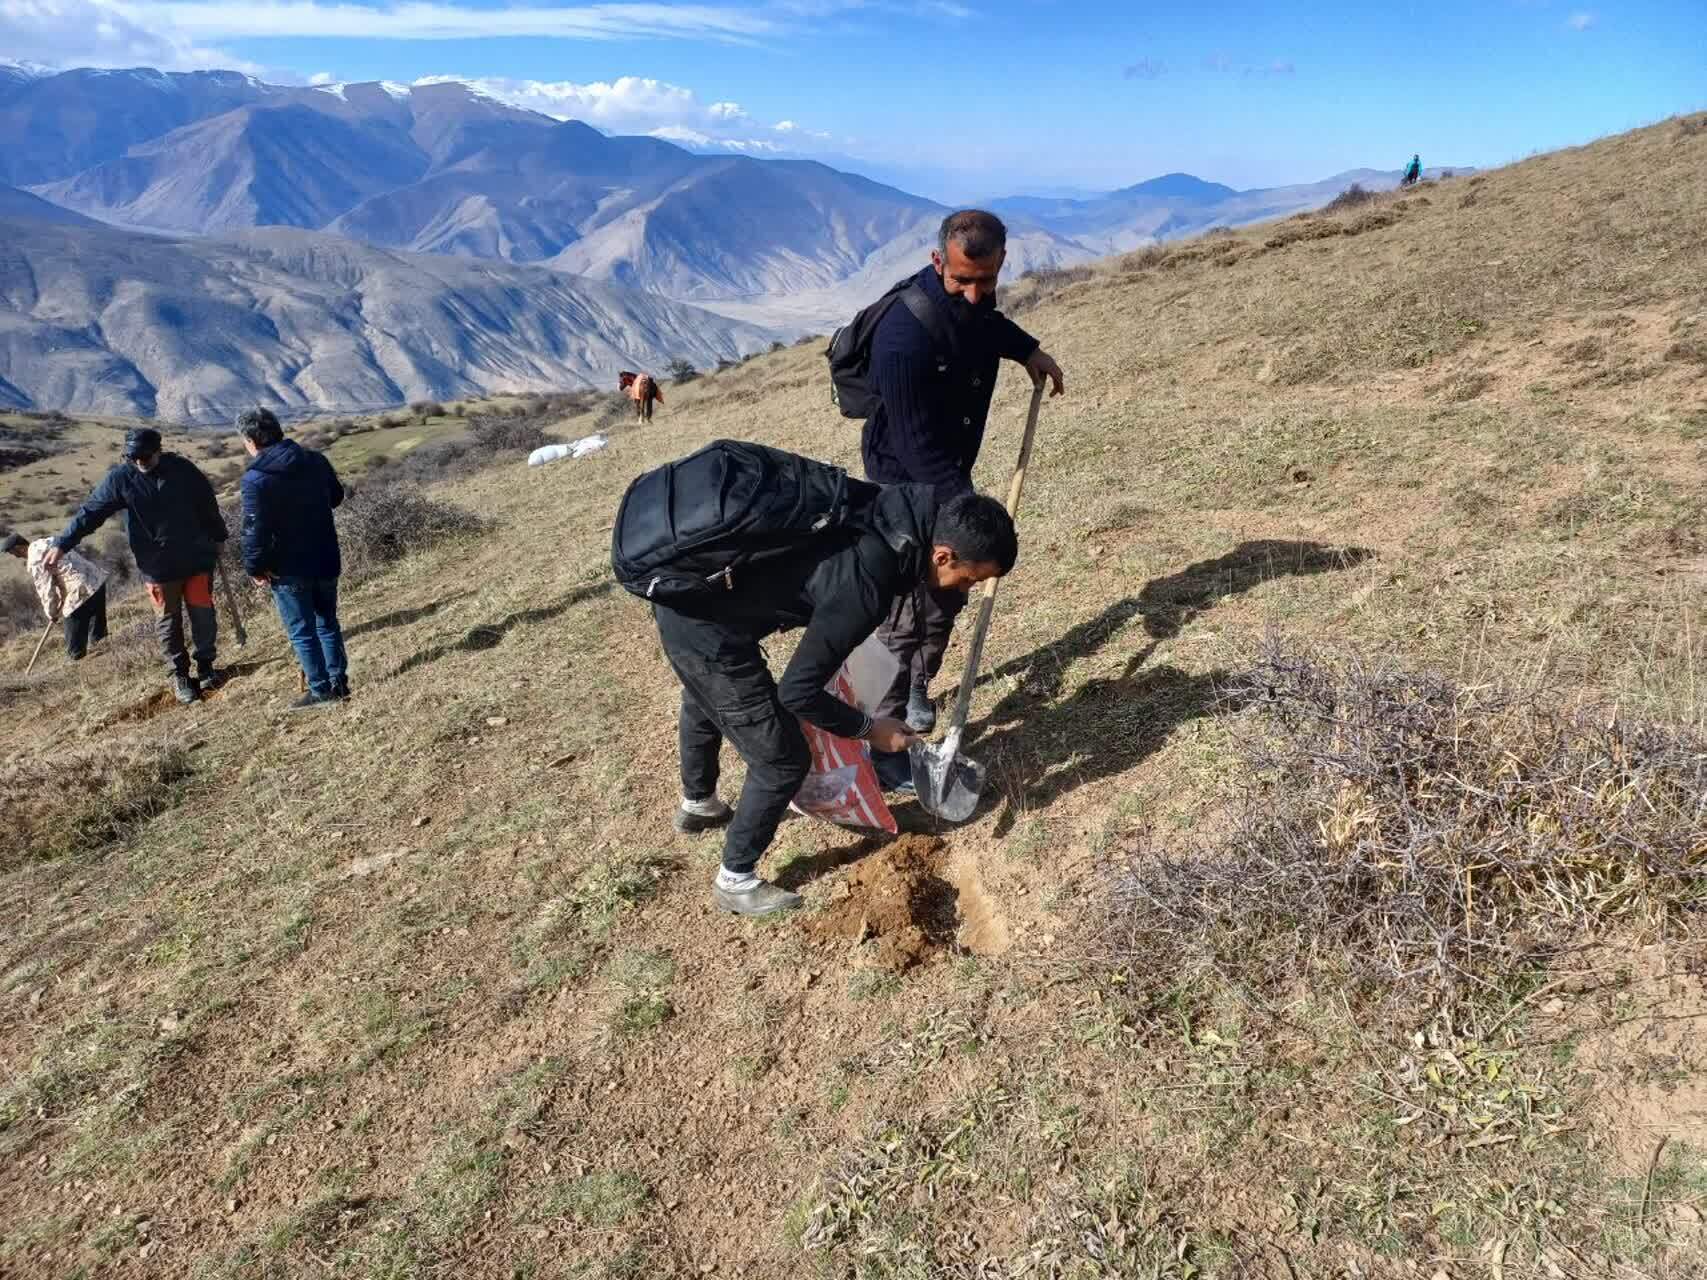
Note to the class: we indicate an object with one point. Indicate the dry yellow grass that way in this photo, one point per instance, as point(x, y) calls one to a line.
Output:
point(426, 986)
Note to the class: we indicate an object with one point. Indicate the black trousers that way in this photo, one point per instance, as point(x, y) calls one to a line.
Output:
point(194, 596)
point(728, 695)
point(86, 624)
point(916, 632)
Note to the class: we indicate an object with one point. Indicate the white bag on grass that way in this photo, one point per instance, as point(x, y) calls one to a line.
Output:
point(574, 449)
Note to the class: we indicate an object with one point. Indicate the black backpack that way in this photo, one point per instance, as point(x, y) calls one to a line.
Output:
point(687, 529)
point(849, 351)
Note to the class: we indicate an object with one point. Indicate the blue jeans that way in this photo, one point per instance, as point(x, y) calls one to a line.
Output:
point(308, 607)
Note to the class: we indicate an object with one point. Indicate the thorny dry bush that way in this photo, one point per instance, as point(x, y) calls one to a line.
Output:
point(384, 523)
point(495, 435)
point(1429, 841)
point(1351, 198)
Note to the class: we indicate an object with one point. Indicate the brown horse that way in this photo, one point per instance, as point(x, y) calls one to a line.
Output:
point(643, 390)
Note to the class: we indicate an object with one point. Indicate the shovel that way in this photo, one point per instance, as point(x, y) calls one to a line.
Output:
point(948, 783)
point(230, 604)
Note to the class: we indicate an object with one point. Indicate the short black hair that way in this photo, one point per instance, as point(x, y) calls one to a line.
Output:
point(978, 530)
point(12, 542)
point(978, 233)
point(260, 427)
point(141, 442)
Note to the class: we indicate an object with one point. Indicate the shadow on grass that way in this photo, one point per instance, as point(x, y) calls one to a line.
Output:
point(402, 617)
point(489, 635)
point(1167, 605)
point(1038, 748)
point(810, 866)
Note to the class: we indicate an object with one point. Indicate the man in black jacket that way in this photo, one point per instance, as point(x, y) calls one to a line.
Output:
point(290, 546)
point(839, 587)
point(934, 397)
point(175, 530)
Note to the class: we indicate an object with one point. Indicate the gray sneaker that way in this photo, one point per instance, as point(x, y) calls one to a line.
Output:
point(185, 690)
point(761, 900)
point(690, 823)
point(921, 711)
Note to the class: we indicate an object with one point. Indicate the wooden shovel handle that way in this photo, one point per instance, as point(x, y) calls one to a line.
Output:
point(987, 605)
point(39, 644)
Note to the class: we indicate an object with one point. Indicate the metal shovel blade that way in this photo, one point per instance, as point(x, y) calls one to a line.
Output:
point(948, 784)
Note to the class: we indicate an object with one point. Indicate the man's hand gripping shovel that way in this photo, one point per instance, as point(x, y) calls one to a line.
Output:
point(948, 783)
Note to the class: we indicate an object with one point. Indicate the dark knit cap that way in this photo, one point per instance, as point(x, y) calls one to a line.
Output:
point(141, 442)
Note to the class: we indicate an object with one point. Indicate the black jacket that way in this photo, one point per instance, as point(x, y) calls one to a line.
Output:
point(839, 587)
point(288, 496)
point(933, 402)
point(171, 515)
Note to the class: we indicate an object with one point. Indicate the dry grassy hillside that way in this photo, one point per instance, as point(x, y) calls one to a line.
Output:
point(1332, 913)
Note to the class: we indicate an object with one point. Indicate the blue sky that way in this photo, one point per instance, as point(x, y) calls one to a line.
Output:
point(959, 98)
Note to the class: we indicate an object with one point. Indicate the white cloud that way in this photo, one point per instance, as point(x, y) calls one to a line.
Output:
point(694, 138)
point(636, 104)
point(99, 33)
point(423, 20)
point(321, 77)
point(1580, 21)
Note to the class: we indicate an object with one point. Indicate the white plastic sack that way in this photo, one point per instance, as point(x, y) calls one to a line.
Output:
point(574, 449)
point(842, 786)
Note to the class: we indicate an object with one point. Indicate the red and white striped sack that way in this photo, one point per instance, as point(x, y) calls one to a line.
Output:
point(842, 786)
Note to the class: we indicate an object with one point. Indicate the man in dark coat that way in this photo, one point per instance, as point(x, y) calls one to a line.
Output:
point(934, 397)
point(290, 545)
point(175, 530)
point(839, 587)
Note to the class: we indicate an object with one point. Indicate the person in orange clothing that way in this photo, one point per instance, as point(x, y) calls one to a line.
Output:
point(175, 528)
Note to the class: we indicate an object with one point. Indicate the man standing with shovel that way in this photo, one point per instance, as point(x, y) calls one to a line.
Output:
point(933, 367)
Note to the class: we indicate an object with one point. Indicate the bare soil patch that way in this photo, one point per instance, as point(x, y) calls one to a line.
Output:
point(901, 898)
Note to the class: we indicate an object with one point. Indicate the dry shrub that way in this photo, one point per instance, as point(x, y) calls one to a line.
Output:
point(1353, 197)
point(1309, 229)
point(1689, 351)
point(1058, 276)
point(134, 649)
point(498, 435)
point(1690, 127)
point(384, 523)
point(82, 803)
point(427, 409)
point(20, 610)
point(613, 409)
point(1149, 256)
point(14, 458)
point(680, 371)
point(1590, 350)
point(1422, 839)
point(1373, 220)
point(1046, 282)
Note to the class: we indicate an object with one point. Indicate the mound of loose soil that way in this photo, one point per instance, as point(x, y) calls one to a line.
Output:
point(899, 897)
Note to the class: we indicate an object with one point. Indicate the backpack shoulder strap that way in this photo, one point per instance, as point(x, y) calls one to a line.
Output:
point(925, 312)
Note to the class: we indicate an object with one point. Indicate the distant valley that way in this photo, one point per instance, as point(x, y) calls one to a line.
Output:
point(515, 244)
